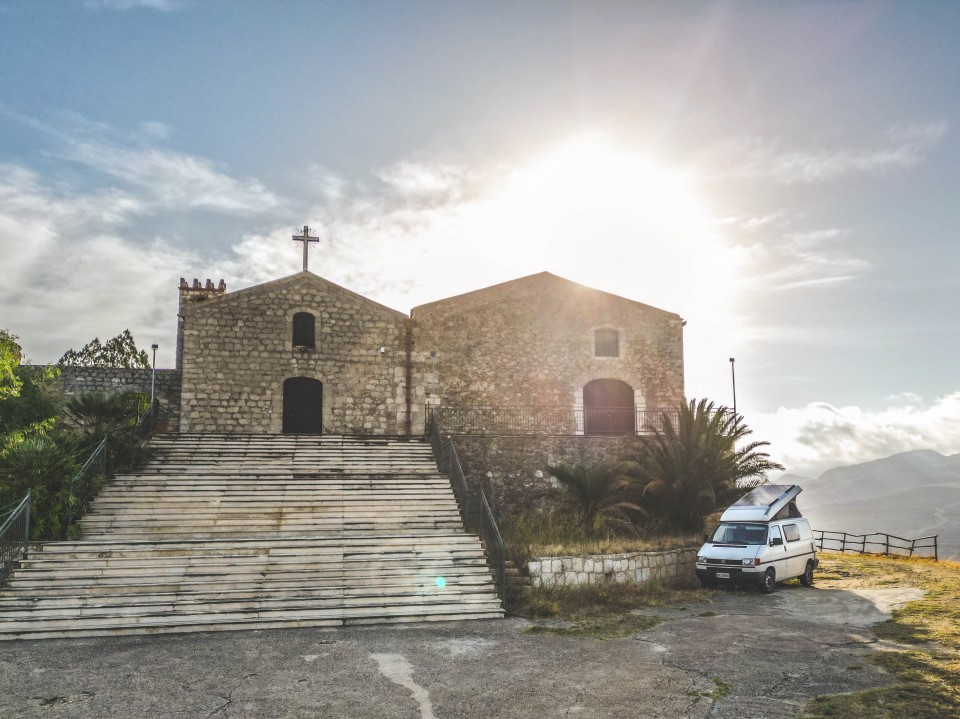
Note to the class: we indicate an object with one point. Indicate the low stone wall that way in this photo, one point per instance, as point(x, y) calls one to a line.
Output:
point(625, 568)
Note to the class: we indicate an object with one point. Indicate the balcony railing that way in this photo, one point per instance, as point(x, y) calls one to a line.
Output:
point(614, 421)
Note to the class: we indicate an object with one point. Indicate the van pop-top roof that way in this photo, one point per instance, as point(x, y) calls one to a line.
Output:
point(762, 503)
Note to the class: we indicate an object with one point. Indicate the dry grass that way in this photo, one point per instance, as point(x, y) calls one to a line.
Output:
point(559, 535)
point(600, 611)
point(925, 637)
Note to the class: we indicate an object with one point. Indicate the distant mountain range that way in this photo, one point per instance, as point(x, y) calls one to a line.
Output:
point(913, 494)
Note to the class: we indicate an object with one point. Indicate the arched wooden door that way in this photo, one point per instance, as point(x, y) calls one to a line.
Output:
point(302, 406)
point(608, 407)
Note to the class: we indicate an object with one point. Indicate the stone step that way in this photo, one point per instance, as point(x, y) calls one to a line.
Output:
point(366, 584)
point(174, 604)
point(415, 539)
point(418, 615)
point(240, 532)
point(335, 616)
point(329, 554)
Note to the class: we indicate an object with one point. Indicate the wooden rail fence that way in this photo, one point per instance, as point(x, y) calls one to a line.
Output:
point(876, 543)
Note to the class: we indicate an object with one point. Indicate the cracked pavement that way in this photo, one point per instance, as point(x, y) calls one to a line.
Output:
point(741, 655)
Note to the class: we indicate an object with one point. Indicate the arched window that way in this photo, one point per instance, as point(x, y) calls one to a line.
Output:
point(608, 407)
point(303, 330)
point(606, 343)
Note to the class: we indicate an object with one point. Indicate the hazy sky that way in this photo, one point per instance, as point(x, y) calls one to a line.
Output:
point(783, 175)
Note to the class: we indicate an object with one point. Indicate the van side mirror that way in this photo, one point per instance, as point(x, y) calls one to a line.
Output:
point(776, 542)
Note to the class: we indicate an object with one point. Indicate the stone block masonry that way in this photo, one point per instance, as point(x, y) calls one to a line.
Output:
point(625, 568)
point(123, 380)
point(237, 349)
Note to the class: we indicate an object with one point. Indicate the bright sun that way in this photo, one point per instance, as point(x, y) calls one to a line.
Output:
point(612, 218)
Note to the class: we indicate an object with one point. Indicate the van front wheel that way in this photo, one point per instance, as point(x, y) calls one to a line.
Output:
point(806, 579)
point(769, 581)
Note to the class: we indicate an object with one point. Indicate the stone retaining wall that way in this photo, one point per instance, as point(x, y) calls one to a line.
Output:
point(625, 568)
point(513, 468)
point(123, 380)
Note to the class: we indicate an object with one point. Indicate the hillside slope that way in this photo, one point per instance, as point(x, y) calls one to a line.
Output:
point(912, 494)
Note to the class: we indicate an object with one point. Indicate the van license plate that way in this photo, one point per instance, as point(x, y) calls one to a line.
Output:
point(723, 575)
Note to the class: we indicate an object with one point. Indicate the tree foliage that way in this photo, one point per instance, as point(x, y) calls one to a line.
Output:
point(29, 398)
point(698, 465)
point(10, 356)
point(121, 351)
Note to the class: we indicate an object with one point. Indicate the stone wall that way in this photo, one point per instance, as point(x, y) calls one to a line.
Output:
point(121, 380)
point(625, 568)
point(512, 469)
point(531, 342)
point(237, 351)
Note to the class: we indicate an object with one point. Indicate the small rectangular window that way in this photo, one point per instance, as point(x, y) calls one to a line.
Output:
point(791, 532)
point(606, 343)
point(304, 330)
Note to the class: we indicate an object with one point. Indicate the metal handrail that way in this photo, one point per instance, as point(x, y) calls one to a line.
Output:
point(544, 420)
point(445, 453)
point(15, 534)
point(77, 504)
point(892, 544)
point(147, 422)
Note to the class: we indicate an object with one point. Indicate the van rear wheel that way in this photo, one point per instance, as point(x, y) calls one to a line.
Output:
point(806, 579)
point(769, 581)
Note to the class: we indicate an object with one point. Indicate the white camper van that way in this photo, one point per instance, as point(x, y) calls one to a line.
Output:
point(762, 539)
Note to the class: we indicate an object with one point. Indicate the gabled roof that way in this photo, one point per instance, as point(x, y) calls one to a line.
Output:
point(525, 285)
point(302, 277)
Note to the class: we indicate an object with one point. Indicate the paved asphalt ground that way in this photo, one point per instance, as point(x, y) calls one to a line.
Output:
point(742, 655)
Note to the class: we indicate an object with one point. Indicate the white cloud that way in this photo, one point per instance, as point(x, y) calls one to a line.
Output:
point(165, 5)
point(809, 440)
point(176, 180)
point(762, 158)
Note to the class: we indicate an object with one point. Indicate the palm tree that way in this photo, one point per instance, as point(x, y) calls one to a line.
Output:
point(697, 463)
point(604, 493)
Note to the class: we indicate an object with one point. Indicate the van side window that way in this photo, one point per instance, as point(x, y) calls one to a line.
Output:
point(791, 532)
point(774, 532)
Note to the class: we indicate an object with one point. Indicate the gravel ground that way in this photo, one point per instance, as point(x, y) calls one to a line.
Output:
point(742, 655)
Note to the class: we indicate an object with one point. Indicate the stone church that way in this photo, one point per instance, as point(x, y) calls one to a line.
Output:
point(535, 355)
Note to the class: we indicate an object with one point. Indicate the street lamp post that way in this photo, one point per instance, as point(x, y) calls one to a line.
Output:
point(153, 383)
point(733, 379)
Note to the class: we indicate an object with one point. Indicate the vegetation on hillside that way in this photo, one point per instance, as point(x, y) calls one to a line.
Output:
point(44, 441)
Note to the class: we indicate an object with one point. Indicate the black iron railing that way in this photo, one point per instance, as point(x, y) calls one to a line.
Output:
point(611, 421)
point(474, 507)
point(86, 483)
point(147, 422)
point(14, 533)
point(876, 543)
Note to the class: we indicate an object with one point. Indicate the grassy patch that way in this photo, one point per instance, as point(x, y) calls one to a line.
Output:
point(600, 611)
point(928, 668)
point(721, 690)
point(606, 627)
point(559, 535)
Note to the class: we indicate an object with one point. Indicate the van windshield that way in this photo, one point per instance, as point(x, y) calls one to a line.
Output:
point(739, 533)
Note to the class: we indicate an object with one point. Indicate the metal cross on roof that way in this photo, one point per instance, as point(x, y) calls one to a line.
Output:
point(306, 239)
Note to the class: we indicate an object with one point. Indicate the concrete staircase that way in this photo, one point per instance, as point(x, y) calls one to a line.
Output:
point(226, 532)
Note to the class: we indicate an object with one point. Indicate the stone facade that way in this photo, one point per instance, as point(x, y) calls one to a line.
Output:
point(528, 342)
point(532, 342)
point(237, 350)
point(625, 568)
